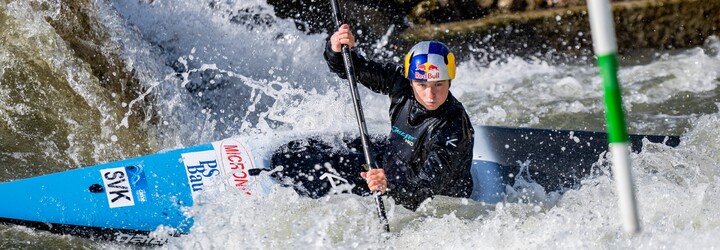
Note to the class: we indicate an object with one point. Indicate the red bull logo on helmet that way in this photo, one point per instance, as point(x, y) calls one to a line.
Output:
point(427, 71)
point(429, 61)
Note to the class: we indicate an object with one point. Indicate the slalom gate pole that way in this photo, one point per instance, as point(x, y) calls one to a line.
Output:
point(605, 47)
point(364, 138)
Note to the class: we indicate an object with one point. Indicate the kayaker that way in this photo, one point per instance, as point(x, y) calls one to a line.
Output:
point(429, 148)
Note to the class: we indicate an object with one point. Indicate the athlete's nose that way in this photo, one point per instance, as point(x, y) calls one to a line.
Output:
point(430, 93)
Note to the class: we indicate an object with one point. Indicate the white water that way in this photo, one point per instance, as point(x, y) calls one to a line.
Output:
point(271, 80)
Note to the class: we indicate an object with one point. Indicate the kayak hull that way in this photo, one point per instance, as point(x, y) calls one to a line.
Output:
point(126, 200)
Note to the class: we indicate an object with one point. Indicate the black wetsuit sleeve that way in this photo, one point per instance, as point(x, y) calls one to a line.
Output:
point(446, 170)
point(380, 78)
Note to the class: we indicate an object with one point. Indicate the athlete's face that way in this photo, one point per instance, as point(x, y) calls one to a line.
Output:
point(431, 94)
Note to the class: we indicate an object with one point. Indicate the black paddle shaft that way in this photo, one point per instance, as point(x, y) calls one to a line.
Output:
point(364, 138)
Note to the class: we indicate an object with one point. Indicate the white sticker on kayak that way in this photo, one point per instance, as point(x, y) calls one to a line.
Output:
point(117, 187)
point(236, 160)
point(200, 167)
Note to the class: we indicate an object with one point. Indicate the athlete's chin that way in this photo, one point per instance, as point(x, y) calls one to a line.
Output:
point(431, 105)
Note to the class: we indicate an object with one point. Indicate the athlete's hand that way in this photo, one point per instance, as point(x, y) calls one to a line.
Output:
point(376, 180)
point(342, 36)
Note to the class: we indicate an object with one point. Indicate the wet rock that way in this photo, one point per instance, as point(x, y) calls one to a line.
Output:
point(564, 3)
point(373, 19)
point(89, 41)
point(521, 27)
point(512, 5)
point(485, 3)
point(62, 92)
point(658, 24)
point(440, 11)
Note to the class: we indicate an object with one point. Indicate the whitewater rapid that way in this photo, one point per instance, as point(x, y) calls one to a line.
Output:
point(232, 68)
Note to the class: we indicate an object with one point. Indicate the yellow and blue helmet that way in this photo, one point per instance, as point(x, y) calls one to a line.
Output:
point(430, 61)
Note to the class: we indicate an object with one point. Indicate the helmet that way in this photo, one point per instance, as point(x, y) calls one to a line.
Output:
point(430, 61)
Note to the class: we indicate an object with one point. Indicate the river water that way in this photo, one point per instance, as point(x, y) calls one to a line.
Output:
point(215, 69)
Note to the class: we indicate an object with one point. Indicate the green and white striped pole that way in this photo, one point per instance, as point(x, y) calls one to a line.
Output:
point(603, 36)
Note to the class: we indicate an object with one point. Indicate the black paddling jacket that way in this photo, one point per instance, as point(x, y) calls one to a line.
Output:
point(429, 152)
